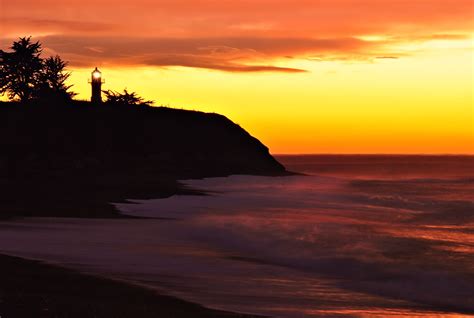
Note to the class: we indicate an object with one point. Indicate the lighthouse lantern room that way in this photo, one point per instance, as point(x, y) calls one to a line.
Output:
point(96, 84)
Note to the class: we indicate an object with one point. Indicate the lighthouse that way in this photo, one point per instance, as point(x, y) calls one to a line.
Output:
point(96, 84)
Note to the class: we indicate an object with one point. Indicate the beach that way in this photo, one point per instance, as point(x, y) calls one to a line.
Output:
point(353, 237)
point(34, 289)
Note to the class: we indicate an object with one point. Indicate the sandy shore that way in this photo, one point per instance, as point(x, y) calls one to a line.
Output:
point(33, 289)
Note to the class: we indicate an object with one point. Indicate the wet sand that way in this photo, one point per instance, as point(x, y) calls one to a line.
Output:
point(33, 289)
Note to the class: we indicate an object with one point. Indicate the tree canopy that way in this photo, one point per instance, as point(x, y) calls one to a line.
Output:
point(25, 75)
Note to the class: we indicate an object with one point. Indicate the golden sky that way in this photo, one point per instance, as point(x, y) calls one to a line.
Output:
point(303, 76)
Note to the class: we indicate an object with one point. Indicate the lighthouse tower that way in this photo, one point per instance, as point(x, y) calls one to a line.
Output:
point(96, 84)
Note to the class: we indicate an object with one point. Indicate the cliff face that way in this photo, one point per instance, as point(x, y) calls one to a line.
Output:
point(84, 147)
point(80, 136)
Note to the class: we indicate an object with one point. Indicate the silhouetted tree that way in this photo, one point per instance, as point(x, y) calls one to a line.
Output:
point(52, 79)
point(125, 98)
point(20, 69)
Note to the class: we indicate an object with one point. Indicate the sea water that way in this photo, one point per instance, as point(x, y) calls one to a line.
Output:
point(363, 236)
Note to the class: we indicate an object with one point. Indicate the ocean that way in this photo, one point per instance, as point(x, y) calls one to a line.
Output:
point(349, 236)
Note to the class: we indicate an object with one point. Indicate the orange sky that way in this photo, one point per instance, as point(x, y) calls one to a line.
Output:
point(304, 76)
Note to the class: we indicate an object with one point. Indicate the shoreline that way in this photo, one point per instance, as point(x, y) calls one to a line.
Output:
point(32, 288)
point(448, 309)
point(90, 196)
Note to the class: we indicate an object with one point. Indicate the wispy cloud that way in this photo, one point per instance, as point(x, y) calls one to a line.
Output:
point(242, 54)
point(235, 36)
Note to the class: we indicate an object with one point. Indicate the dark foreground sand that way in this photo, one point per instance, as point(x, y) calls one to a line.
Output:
point(32, 289)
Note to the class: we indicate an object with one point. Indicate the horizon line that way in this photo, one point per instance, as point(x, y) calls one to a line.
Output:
point(374, 154)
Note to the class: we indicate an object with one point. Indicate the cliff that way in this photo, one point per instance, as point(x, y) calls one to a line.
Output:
point(75, 154)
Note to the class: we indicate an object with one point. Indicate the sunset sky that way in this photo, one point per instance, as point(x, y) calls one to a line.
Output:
point(303, 76)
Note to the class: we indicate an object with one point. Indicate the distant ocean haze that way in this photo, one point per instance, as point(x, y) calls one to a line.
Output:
point(356, 236)
point(382, 166)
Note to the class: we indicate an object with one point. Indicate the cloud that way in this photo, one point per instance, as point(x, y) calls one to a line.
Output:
point(307, 18)
point(23, 26)
point(242, 36)
point(387, 57)
point(233, 54)
point(203, 62)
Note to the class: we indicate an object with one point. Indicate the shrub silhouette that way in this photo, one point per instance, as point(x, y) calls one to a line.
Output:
point(125, 98)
